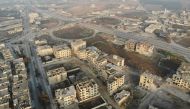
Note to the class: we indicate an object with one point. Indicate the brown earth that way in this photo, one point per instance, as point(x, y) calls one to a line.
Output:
point(75, 32)
point(132, 59)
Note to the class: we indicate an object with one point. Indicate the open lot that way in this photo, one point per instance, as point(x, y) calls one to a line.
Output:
point(132, 59)
point(106, 21)
point(74, 32)
point(49, 23)
point(184, 42)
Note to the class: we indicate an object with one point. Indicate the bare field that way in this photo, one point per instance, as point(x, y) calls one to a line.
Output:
point(184, 42)
point(106, 21)
point(132, 59)
point(83, 9)
point(48, 23)
point(75, 32)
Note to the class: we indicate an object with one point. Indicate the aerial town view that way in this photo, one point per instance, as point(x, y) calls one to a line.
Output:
point(94, 54)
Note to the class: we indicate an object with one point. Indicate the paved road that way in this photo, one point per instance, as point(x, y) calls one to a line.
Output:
point(32, 78)
point(43, 77)
point(157, 43)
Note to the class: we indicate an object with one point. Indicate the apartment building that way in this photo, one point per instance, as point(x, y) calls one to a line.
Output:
point(78, 45)
point(114, 82)
point(145, 48)
point(81, 54)
point(86, 90)
point(182, 77)
point(7, 55)
point(4, 93)
point(149, 81)
point(44, 50)
point(57, 75)
point(61, 51)
point(121, 97)
point(96, 57)
point(130, 45)
point(66, 96)
point(19, 66)
point(116, 60)
point(5, 68)
point(20, 91)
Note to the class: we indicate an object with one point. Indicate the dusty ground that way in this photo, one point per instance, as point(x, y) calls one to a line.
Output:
point(75, 32)
point(50, 40)
point(83, 9)
point(184, 42)
point(107, 21)
point(132, 59)
point(48, 23)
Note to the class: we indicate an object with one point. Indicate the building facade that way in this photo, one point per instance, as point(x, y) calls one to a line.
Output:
point(116, 60)
point(182, 77)
point(62, 51)
point(130, 45)
point(78, 45)
point(145, 48)
point(86, 90)
point(114, 82)
point(66, 96)
point(57, 75)
point(44, 50)
point(149, 81)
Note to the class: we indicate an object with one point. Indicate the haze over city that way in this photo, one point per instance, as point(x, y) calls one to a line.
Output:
point(94, 54)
